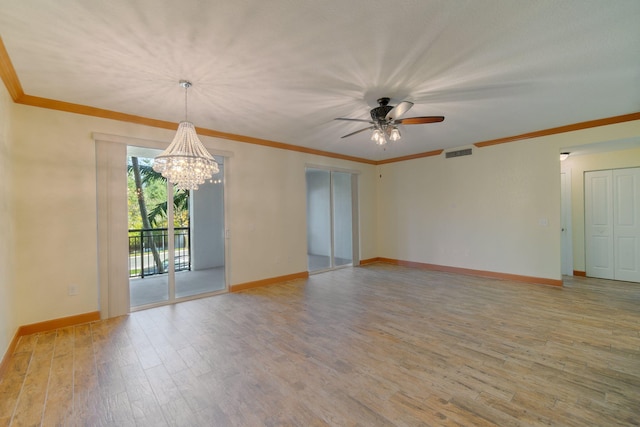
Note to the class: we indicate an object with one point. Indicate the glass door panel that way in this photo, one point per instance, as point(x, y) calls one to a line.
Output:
point(318, 219)
point(342, 219)
point(148, 232)
point(206, 246)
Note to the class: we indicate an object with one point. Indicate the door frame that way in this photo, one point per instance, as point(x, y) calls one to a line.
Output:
point(111, 195)
point(566, 223)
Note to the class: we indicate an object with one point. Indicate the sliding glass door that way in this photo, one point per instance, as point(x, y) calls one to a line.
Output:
point(206, 257)
point(330, 219)
point(176, 237)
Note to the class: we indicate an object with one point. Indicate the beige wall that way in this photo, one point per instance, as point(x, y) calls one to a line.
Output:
point(497, 210)
point(576, 166)
point(486, 211)
point(55, 209)
point(8, 323)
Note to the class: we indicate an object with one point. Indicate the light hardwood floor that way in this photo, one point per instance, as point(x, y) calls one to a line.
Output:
point(369, 346)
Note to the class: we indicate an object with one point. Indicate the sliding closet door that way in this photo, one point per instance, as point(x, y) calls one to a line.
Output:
point(612, 224)
point(626, 224)
point(342, 215)
point(319, 234)
point(331, 219)
point(599, 224)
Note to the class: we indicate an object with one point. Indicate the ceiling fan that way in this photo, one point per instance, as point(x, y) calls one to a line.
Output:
point(385, 120)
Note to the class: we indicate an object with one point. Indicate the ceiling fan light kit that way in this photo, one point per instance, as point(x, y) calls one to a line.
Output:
point(186, 162)
point(395, 134)
point(386, 118)
point(385, 133)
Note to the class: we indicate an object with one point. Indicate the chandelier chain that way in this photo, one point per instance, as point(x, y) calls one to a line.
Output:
point(186, 117)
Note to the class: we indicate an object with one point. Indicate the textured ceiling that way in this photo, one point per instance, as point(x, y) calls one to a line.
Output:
point(282, 70)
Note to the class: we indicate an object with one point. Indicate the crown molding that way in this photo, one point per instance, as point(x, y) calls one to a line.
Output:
point(562, 129)
point(8, 74)
point(68, 107)
point(410, 157)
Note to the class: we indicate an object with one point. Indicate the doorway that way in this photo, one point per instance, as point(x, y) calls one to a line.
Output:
point(331, 219)
point(176, 237)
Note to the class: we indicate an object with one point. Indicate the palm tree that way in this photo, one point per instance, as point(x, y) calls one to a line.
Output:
point(159, 211)
point(180, 204)
point(137, 176)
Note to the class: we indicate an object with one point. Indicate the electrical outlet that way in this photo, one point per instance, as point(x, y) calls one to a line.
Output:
point(73, 289)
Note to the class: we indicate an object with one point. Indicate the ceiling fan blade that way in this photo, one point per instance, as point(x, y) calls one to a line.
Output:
point(354, 120)
point(358, 131)
point(398, 110)
point(419, 120)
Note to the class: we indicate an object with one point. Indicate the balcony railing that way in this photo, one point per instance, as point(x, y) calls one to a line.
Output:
point(143, 262)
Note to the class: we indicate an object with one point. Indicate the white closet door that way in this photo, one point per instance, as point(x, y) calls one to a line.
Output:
point(626, 224)
point(599, 224)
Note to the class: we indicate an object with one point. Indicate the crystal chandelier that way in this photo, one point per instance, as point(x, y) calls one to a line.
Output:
point(186, 163)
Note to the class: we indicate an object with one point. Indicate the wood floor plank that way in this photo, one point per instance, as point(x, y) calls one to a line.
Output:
point(59, 403)
point(11, 385)
point(371, 346)
point(31, 403)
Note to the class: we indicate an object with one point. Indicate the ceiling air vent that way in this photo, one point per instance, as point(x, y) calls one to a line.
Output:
point(465, 152)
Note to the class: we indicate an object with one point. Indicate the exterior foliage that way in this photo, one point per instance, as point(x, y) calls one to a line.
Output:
point(154, 187)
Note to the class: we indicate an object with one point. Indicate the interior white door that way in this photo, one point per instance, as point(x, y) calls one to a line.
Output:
point(599, 224)
point(626, 224)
